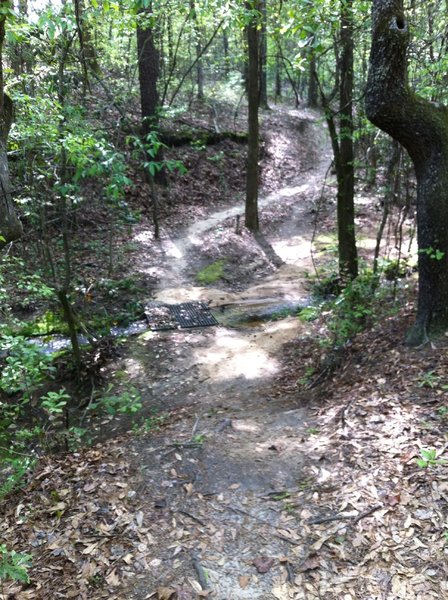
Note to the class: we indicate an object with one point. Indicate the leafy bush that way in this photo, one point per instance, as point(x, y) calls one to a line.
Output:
point(14, 565)
point(353, 308)
point(128, 402)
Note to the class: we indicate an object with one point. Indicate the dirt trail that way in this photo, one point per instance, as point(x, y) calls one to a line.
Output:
point(237, 445)
point(291, 237)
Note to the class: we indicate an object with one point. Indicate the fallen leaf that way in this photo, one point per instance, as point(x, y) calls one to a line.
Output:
point(392, 499)
point(89, 487)
point(164, 593)
point(263, 563)
point(244, 581)
point(311, 563)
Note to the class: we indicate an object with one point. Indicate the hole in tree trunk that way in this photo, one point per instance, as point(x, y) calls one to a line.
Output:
point(400, 23)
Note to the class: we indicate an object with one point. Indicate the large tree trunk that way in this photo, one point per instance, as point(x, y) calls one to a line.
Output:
point(253, 91)
point(10, 226)
point(422, 128)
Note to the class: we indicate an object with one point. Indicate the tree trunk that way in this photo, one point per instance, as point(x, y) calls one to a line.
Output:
point(199, 52)
point(225, 47)
point(312, 81)
point(422, 128)
point(348, 258)
point(251, 213)
point(10, 226)
point(263, 57)
point(278, 78)
point(148, 74)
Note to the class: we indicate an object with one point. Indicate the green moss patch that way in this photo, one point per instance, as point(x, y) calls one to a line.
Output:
point(211, 273)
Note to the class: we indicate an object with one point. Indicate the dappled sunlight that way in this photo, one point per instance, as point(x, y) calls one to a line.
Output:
point(246, 426)
point(134, 368)
point(282, 325)
point(280, 146)
point(292, 249)
point(176, 295)
point(144, 237)
point(232, 355)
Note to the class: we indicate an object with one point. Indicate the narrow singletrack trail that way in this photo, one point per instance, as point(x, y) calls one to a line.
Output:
point(237, 442)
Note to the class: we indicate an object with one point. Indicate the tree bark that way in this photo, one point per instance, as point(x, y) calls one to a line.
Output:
point(148, 74)
point(422, 128)
point(10, 226)
point(199, 52)
point(263, 101)
point(348, 257)
point(253, 92)
point(313, 93)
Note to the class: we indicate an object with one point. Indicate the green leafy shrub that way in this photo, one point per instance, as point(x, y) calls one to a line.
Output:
point(126, 403)
point(352, 310)
point(26, 366)
point(14, 469)
point(429, 458)
point(14, 565)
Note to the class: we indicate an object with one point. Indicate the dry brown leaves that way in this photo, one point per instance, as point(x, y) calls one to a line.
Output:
point(78, 520)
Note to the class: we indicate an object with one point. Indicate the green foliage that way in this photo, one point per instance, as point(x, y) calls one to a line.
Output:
point(429, 380)
point(151, 423)
point(198, 438)
point(14, 468)
point(149, 150)
point(211, 273)
point(54, 403)
point(14, 565)
point(310, 313)
point(26, 366)
point(429, 458)
point(433, 253)
point(46, 324)
point(353, 308)
point(127, 402)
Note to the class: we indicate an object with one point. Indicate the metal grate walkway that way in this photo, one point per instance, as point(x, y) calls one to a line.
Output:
point(179, 316)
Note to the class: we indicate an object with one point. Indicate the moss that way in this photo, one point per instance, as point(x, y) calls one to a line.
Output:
point(211, 273)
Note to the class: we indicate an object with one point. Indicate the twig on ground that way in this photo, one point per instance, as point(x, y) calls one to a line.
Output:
point(195, 426)
point(365, 514)
point(193, 517)
point(202, 577)
point(320, 520)
point(290, 572)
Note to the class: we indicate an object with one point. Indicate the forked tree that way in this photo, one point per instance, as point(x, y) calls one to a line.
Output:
point(422, 128)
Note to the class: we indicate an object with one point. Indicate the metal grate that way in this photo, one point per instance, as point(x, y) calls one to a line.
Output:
point(179, 316)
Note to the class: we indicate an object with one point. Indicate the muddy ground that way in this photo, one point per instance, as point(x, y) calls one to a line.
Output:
point(250, 484)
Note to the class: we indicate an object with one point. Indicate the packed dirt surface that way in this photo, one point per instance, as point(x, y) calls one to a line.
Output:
point(249, 485)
